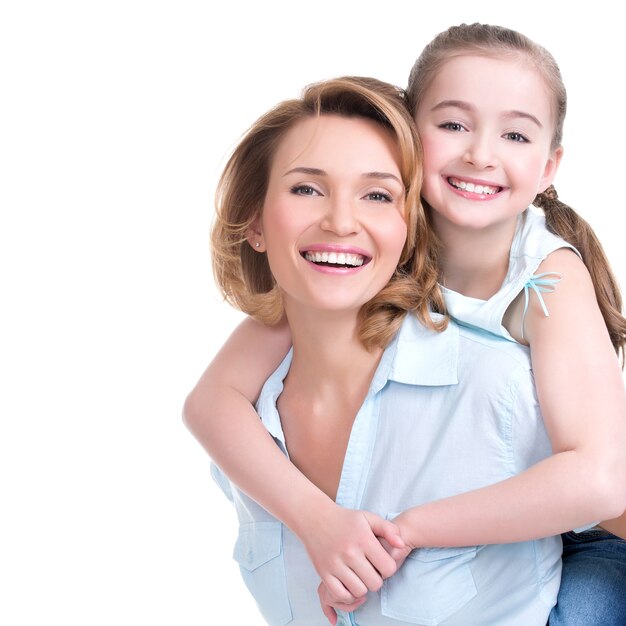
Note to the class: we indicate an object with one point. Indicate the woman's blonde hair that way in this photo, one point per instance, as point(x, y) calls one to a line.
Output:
point(497, 41)
point(243, 274)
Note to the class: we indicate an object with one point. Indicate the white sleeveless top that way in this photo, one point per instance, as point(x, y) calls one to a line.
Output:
point(532, 243)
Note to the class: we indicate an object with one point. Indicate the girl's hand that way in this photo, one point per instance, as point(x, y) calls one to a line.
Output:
point(330, 605)
point(397, 554)
point(345, 550)
point(398, 551)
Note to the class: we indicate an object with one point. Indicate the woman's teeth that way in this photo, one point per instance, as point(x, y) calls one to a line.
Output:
point(336, 258)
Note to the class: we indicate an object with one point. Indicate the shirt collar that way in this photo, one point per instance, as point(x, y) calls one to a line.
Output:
point(416, 356)
point(266, 404)
point(424, 356)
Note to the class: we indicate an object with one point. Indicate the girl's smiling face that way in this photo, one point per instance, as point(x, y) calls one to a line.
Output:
point(333, 220)
point(486, 125)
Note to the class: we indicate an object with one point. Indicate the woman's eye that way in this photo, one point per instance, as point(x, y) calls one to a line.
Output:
point(517, 137)
point(304, 190)
point(454, 126)
point(379, 196)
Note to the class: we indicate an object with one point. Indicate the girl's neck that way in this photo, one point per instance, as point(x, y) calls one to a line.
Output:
point(475, 262)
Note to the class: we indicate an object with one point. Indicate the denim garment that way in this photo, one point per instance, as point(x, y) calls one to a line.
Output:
point(593, 587)
point(446, 413)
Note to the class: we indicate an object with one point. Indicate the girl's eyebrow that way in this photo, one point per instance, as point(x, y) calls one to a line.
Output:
point(457, 104)
point(466, 106)
point(314, 171)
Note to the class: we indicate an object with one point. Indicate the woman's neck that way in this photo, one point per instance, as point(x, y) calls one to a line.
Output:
point(475, 262)
point(328, 380)
point(328, 357)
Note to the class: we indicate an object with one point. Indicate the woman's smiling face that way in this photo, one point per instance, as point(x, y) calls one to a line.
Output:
point(333, 220)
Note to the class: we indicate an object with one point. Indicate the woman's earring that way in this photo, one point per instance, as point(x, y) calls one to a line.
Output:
point(257, 245)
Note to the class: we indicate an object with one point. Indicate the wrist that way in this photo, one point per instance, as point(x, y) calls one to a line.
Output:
point(311, 512)
point(408, 525)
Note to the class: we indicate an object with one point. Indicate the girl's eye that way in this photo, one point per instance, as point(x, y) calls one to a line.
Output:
point(304, 190)
point(517, 137)
point(379, 196)
point(454, 126)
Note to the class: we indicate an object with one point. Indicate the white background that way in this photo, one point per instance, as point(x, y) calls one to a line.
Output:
point(115, 121)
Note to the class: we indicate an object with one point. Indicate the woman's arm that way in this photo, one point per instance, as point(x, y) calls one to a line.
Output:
point(581, 393)
point(341, 543)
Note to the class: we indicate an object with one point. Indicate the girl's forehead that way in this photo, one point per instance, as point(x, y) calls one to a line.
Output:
point(510, 81)
point(485, 69)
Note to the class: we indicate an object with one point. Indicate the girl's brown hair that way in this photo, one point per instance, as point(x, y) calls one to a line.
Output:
point(562, 220)
point(243, 274)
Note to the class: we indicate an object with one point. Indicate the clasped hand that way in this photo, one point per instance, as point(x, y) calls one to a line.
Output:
point(353, 552)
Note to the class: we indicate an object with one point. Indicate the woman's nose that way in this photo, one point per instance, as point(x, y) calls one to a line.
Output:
point(341, 217)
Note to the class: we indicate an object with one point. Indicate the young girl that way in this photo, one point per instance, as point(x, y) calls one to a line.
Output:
point(491, 144)
point(490, 287)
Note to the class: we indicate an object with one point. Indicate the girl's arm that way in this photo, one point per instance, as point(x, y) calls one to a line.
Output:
point(581, 394)
point(616, 526)
point(341, 543)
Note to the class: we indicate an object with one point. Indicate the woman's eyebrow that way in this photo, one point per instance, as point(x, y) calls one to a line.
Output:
point(311, 171)
point(383, 175)
point(314, 171)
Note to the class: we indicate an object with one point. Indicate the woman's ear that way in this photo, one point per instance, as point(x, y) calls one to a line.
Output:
point(254, 236)
point(552, 165)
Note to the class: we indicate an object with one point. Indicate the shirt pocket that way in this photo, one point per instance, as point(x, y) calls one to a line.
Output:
point(431, 585)
point(258, 551)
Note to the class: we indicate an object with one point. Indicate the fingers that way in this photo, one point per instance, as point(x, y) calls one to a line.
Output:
point(346, 589)
point(348, 608)
point(384, 529)
point(330, 614)
point(382, 554)
point(369, 574)
point(362, 573)
point(330, 605)
point(327, 609)
point(382, 562)
point(348, 554)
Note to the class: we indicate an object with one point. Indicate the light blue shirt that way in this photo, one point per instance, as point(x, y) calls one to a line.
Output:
point(445, 413)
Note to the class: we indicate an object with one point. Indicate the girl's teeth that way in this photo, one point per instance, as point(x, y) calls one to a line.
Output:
point(472, 188)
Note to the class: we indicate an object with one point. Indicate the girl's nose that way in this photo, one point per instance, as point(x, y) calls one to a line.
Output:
point(480, 152)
